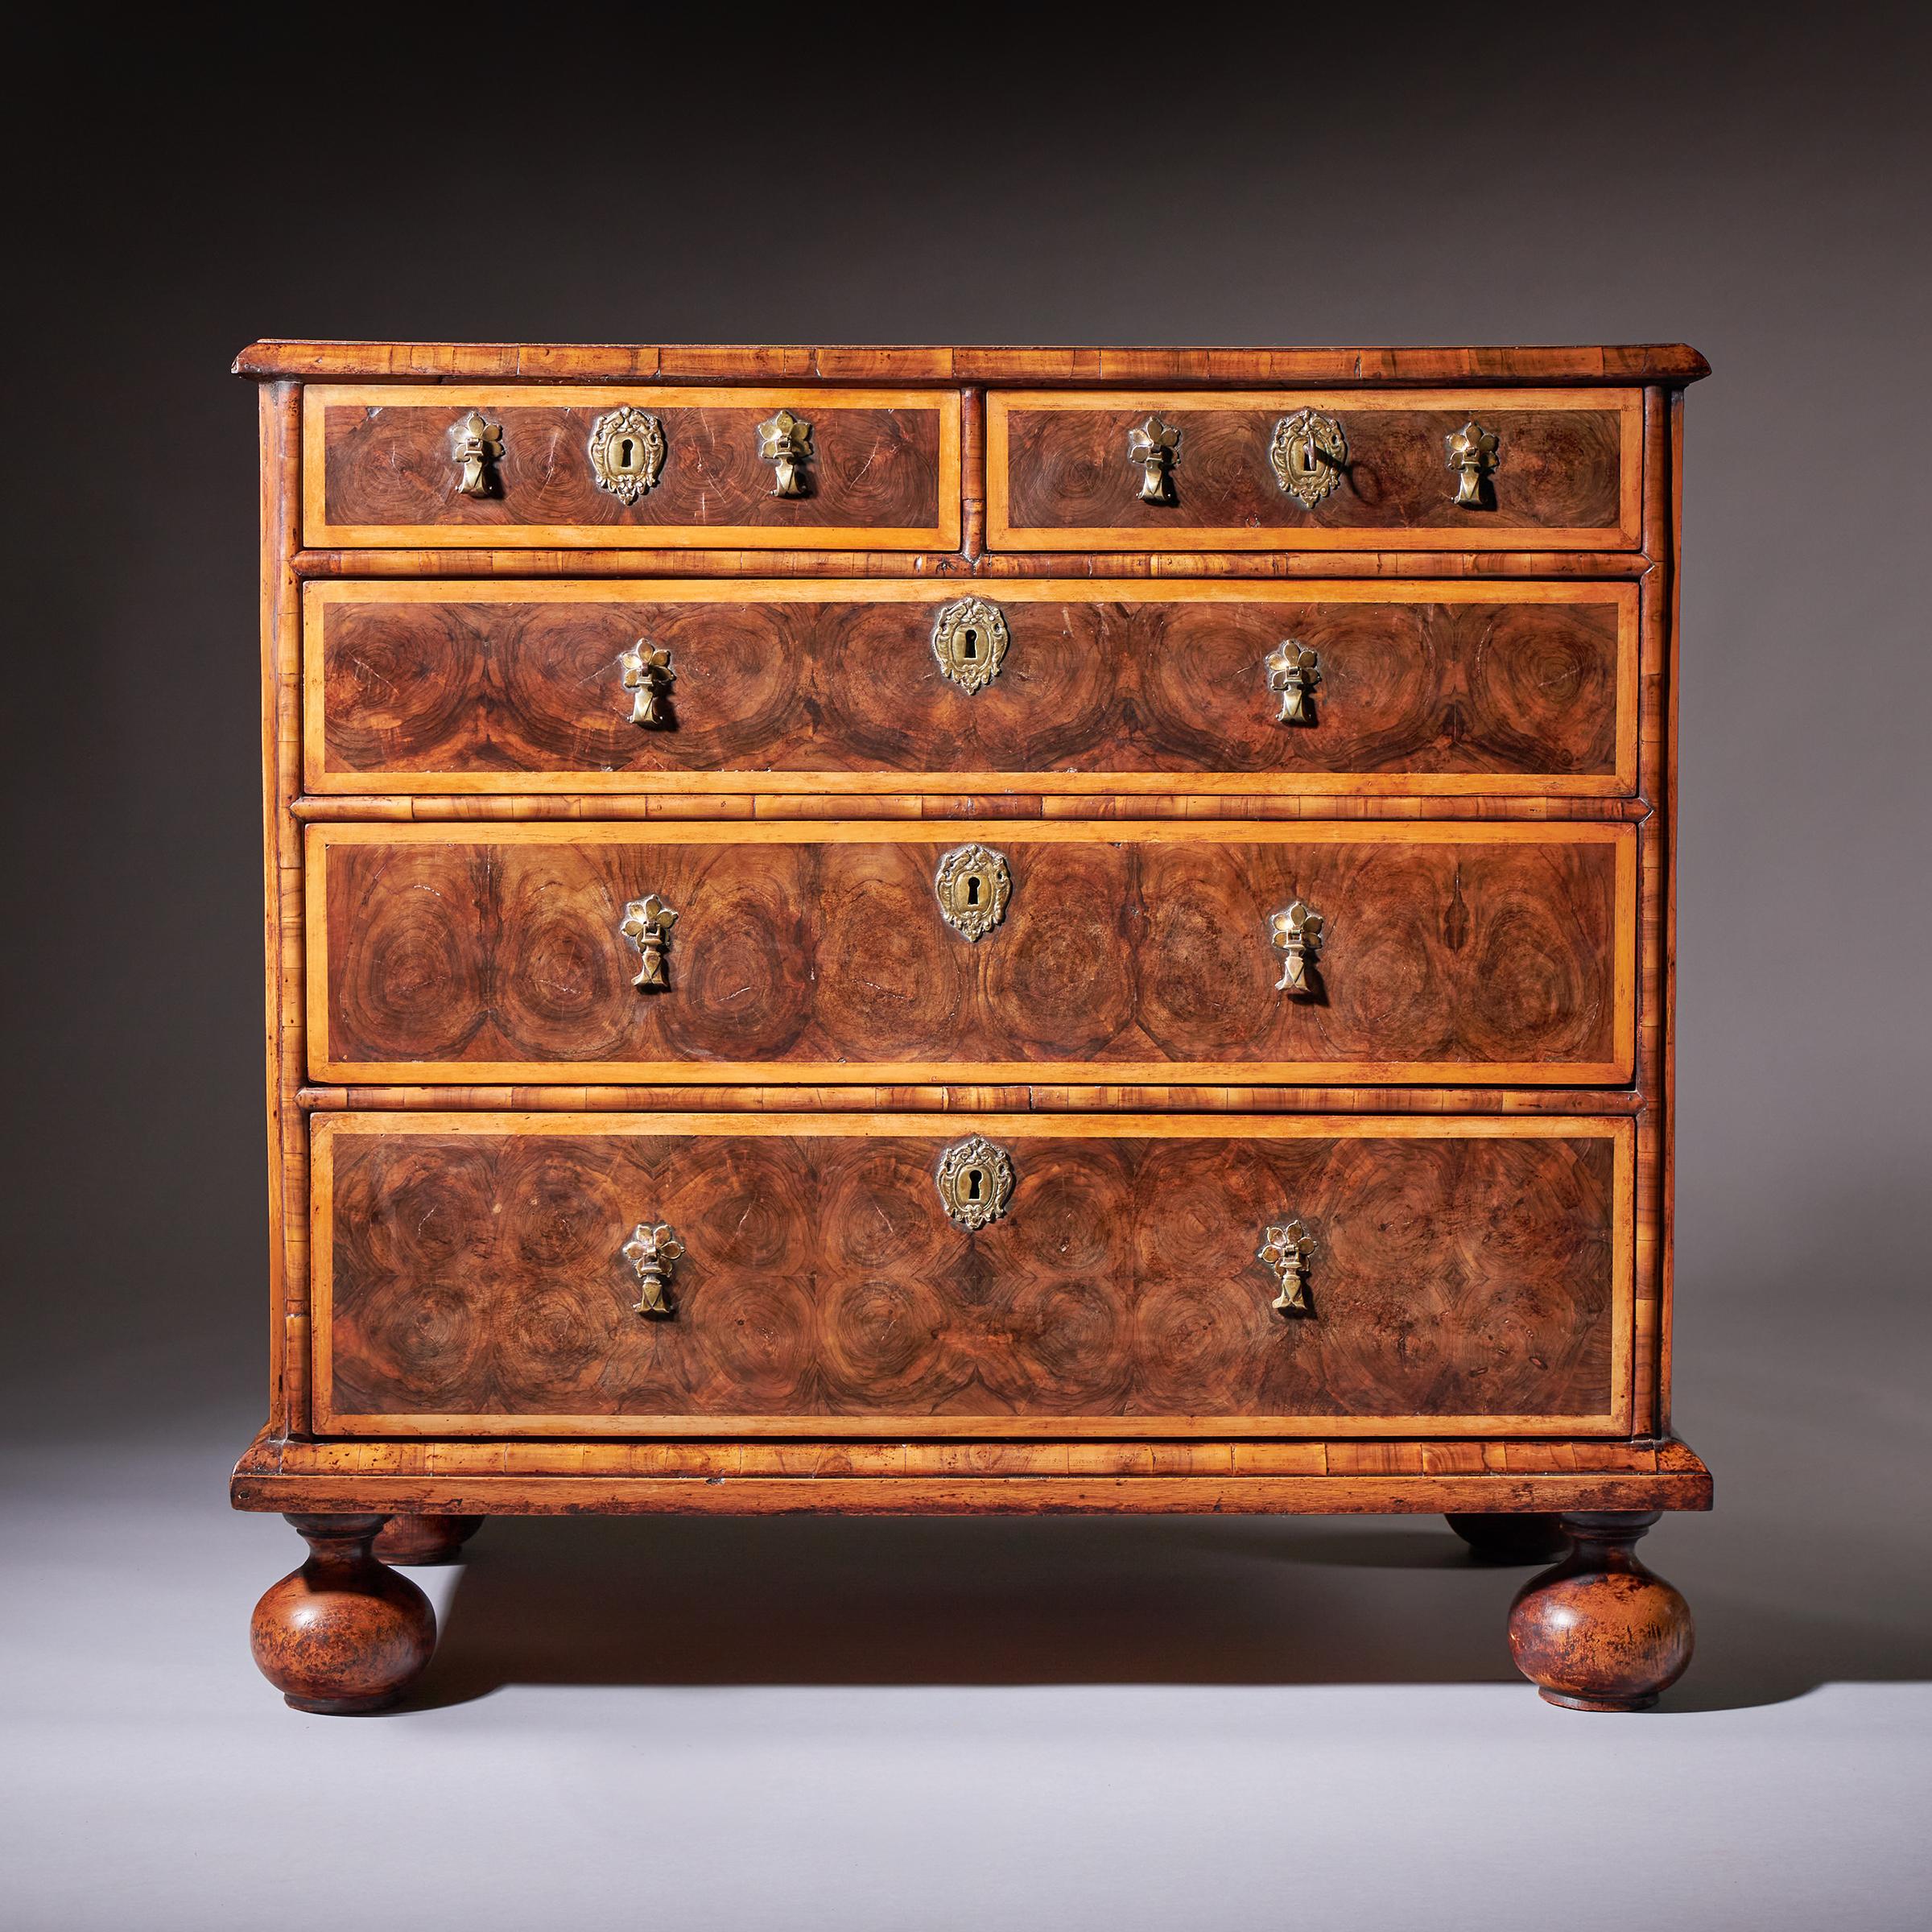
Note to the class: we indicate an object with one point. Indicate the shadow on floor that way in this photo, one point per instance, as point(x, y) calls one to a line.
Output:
point(1014, 1601)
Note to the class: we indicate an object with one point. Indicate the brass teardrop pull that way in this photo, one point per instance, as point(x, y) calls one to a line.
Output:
point(1472, 456)
point(1296, 932)
point(653, 1248)
point(1285, 1249)
point(1294, 671)
point(647, 924)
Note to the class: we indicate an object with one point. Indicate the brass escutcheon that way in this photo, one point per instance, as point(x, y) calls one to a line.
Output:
point(975, 1182)
point(652, 1250)
point(973, 886)
point(648, 676)
point(647, 924)
point(1309, 452)
point(1297, 931)
point(1284, 1252)
point(477, 444)
point(627, 452)
point(969, 639)
point(785, 440)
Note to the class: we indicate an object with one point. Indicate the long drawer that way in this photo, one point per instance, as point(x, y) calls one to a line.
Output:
point(401, 465)
point(980, 950)
point(492, 1274)
point(766, 685)
point(1426, 469)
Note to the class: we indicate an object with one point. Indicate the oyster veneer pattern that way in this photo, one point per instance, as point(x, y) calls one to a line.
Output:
point(475, 1281)
point(482, 954)
point(884, 467)
point(1566, 474)
point(497, 687)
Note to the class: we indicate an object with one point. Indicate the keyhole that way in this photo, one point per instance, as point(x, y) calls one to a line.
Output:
point(972, 890)
point(627, 453)
point(972, 643)
point(972, 1183)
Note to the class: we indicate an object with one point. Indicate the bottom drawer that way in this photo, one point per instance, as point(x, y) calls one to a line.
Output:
point(949, 1275)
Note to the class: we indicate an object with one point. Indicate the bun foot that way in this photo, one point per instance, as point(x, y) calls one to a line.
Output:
point(426, 1539)
point(1499, 1538)
point(343, 1634)
point(1599, 1631)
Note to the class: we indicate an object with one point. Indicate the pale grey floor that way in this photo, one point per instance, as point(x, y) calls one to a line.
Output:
point(983, 1724)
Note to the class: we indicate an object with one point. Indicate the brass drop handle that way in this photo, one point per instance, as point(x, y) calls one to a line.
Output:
point(477, 444)
point(647, 924)
point(785, 442)
point(648, 677)
point(1472, 456)
point(1284, 1252)
point(653, 1248)
point(1296, 932)
point(1294, 671)
point(1156, 446)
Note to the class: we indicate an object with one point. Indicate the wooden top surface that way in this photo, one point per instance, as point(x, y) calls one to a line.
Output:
point(1669, 363)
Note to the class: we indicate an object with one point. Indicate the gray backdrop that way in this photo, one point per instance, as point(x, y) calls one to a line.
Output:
point(1476, 177)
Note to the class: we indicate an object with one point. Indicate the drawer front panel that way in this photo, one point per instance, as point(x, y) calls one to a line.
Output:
point(1454, 1277)
point(1459, 952)
point(770, 686)
point(1069, 471)
point(386, 466)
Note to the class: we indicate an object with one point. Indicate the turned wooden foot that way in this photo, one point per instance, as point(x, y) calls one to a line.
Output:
point(1497, 1537)
point(426, 1539)
point(344, 1633)
point(1599, 1631)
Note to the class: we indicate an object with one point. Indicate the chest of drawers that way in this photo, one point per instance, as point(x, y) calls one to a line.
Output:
point(946, 930)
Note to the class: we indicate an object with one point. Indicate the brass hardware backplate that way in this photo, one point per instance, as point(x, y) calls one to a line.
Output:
point(1297, 931)
point(1156, 446)
point(1472, 456)
point(648, 677)
point(970, 640)
point(973, 886)
point(785, 440)
point(975, 1182)
point(1284, 1252)
point(652, 1250)
point(627, 452)
point(647, 924)
point(1294, 671)
point(1309, 452)
point(477, 444)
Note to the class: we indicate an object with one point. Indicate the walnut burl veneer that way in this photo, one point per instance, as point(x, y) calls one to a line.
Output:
point(942, 930)
point(470, 1279)
point(1454, 953)
point(1524, 688)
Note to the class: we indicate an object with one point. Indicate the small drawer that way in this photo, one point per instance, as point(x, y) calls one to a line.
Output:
point(999, 686)
point(907, 1276)
point(528, 467)
point(1344, 469)
point(982, 951)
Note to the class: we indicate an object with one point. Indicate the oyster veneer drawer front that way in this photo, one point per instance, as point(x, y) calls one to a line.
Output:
point(995, 951)
point(906, 687)
point(904, 1276)
point(428, 466)
point(1346, 469)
